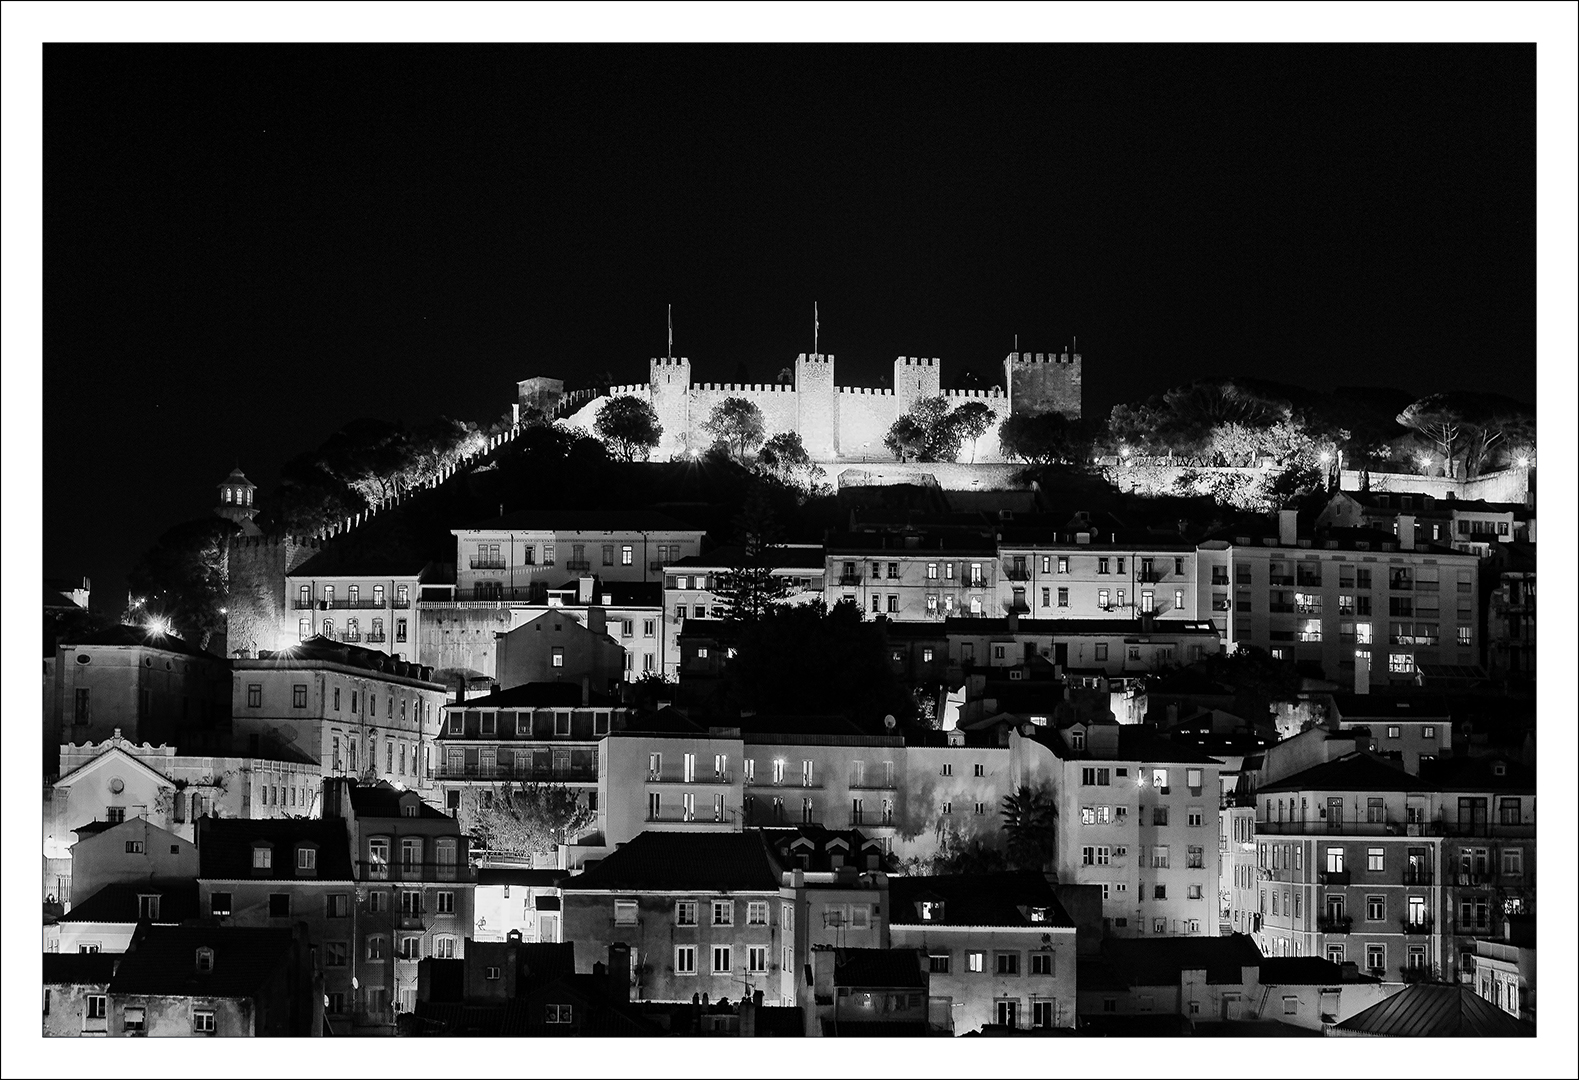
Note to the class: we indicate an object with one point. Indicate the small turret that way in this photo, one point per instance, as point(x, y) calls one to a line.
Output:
point(235, 497)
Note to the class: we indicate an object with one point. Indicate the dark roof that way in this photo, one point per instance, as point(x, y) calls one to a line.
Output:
point(734, 555)
point(383, 800)
point(55, 600)
point(446, 978)
point(878, 967)
point(538, 695)
point(1351, 772)
point(1477, 773)
point(163, 960)
point(94, 827)
point(519, 875)
point(875, 1029)
point(1076, 627)
point(1426, 1010)
point(818, 845)
point(973, 543)
point(319, 649)
point(667, 861)
point(79, 969)
point(756, 728)
point(585, 521)
point(1306, 971)
point(620, 593)
point(1142, 742)
point(140, 637)
point(119, 903)
point(1428, 707)
point(1157, 961)
point(1001, 899)
point(224, 848)
point(669, 721)
point(1253, 1029)
point(364, 560)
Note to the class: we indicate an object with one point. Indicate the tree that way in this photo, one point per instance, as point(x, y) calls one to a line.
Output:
point(1042, 438)
point(1031, 827)
point(184, 578)
point(524, 818)
point(906, 439)
point(629, 427)
point(943, 436)
point(783, 458)
point(751, 590)
point(1439, 423)
point(1467, 428)
point(737, 423)
point(972, 420)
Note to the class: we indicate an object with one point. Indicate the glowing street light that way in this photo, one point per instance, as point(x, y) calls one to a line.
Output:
point(157, 627)
point(1523, 461)
point(1326, 458)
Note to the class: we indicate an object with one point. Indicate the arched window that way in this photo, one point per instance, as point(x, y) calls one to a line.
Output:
point(377, 946)
point(353, 593)
point(378, 595)
point(328, 628)
point(205, 959)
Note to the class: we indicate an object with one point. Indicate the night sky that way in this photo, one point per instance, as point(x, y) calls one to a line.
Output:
point(246, 247)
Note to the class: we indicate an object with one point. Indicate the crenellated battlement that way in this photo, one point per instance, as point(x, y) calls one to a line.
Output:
point(671, 361)
point(1018, 358)
point(261, 543)
point(814, 358)
point(917, 361)
point(745, 388)
point(867, 391)
point(996, 393)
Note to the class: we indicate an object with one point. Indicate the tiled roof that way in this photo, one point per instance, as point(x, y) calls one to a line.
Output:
point(584, 521)
point(360, 560)
point(1430, 1011)
point(139, 637)
point(1141, 742)
point(224, 848)
point(162, 960)
point(672, 861)
point(1306, 971)
point(1076, 627)
point(891, 546)
point(1471, 773)
point(1351, 772)
point(322, 650)
point(1157, 961)
point(121, 903)
point(539, 695)
point(79, 969)
point(878, 967)
point(977, 900)
point(384, 800)
point(519, 875)
point(756, 728)
point(817, 846)
point(1428, 707)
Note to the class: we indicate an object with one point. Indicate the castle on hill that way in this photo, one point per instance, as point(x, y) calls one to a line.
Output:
point(836, 423)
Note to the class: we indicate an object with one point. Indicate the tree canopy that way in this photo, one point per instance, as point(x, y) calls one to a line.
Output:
point(629, 427)
point(752, 590)
point(524, 818)
point(184, 578)
point(930, 432)
point(972, 420)
point(737, 423)
point(1046, 438)
point(1468, 430)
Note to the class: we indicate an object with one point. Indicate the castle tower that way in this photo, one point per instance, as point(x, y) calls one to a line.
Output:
point(235, 501)
point(817, 405)
point(1043, 382)
point(538, 397)
point(669, 385)
point(915, 377)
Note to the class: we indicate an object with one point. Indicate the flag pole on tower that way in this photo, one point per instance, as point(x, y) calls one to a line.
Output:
point(671, 332)
point(815, 327)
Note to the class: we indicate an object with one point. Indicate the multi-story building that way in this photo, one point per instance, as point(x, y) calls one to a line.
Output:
point(149, 685)
point(1505, 968)
point(520, 556)
point(915, 577)
point(1367, 607)
point(833, 893)
point(354, 711)
point(518, 900)
point(1112, 647)
point(559, 645)
point(690, 586)
point(858, 993)
point(124, 854)
point(537, 733)
point(416, 891)
point(1412, 729)
point(77, 994)
point(281, 873)
point(668, 774)
point(1000, 948)
point(1349, 869)
point(107, 920)
point(360, 601)
point(1086, 573)
point(821, 771)
point(1510, 614)
point(701, 912)
point(1483, 809)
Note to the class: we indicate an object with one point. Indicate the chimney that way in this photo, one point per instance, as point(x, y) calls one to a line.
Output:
point(1014, 621)
point(619, 972)
point(1406, 532)
point(1288, 528)
point(598, 619)
point(584, 587)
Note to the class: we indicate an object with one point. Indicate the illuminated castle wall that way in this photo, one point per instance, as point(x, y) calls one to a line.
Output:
point(836, 423)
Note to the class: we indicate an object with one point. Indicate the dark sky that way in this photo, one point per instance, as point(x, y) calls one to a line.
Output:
point(245, 247)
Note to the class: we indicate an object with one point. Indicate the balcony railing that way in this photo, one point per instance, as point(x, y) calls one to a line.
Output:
point(401, 604)
point(1222, 579)
point(1281, 609)
point(1017, 573)
point(377, 636)
point(1282, 579)
point(1151, 577)
point(543, 774)
point(1334, 924)
point(398, 871)
point(1422, 925)
point(488, 564)
point(1331, 828)
point(700, 778)
point(850, 579)
point(1419, 877)
point(703, 815)
point(794, 781)
point(1485, 827)
point(578, 566)
point(1332, 877)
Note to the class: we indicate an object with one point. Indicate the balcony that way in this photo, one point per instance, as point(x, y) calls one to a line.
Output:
point(1282, 579)
point(578, 566)
point(1418, 973)
point(1329, 924)
point(488, 564)
point(850, 579)
point(702, 816)
point(1419, 877)
point(1330, 828)
point(1151, 577)
point(378, 637)
point(355, 605)
point(1475, 878)
point(1221, 580)
point(413, 871)
point(570, 774)
point(703, 779)
point(1421, 925)
point(304, 605)
point(401, 604)
point(1483, 827)
point(1333, 878)
point(1281, 609)
point(1017, 572)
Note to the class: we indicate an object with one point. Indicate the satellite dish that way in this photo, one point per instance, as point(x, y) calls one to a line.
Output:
point(889, 721)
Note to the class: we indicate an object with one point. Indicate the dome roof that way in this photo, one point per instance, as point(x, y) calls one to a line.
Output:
point(238, 477)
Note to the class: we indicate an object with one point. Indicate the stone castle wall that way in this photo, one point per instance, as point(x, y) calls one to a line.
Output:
point(841, 423)
point(257, 612)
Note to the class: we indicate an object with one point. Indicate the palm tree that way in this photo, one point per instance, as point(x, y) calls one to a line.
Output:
point(1030, 820)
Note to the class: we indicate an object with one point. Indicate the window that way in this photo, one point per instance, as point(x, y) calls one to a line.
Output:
point(1159, 815)
point(1375, 957)
point(1376, 908)
point(1195, 817)
point(338, 905)
point(757, 958)
point(378, 858)
point(1195, 858)
point(1375, 859)
point(757, 913)
point(219, 903)
point(1195, 892)
point(685, 960)
point(975, 961)
point(723, 912)
point(377, 946)
point(203, 1021)
point(279, 905)
point(1008, 963)
point(299, 696)
point(1102, 598)
point(939, 963)
point(722, 958)
point(444, 903)
point(685, 913)
point(559, 1014)
point(1159, 856)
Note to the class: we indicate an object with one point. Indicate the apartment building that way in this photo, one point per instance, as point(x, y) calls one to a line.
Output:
point(356, 600)
point(520, 556)
point(668, 774)
point(1087, 573)
point(823, 771)
point(354, 711)
point(690, 586)
point(1112, 647)
point(914, 577)
point(1366, 607)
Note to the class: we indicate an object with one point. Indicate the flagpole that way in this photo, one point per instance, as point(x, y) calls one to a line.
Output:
point(671, 332)
point(815, 327)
